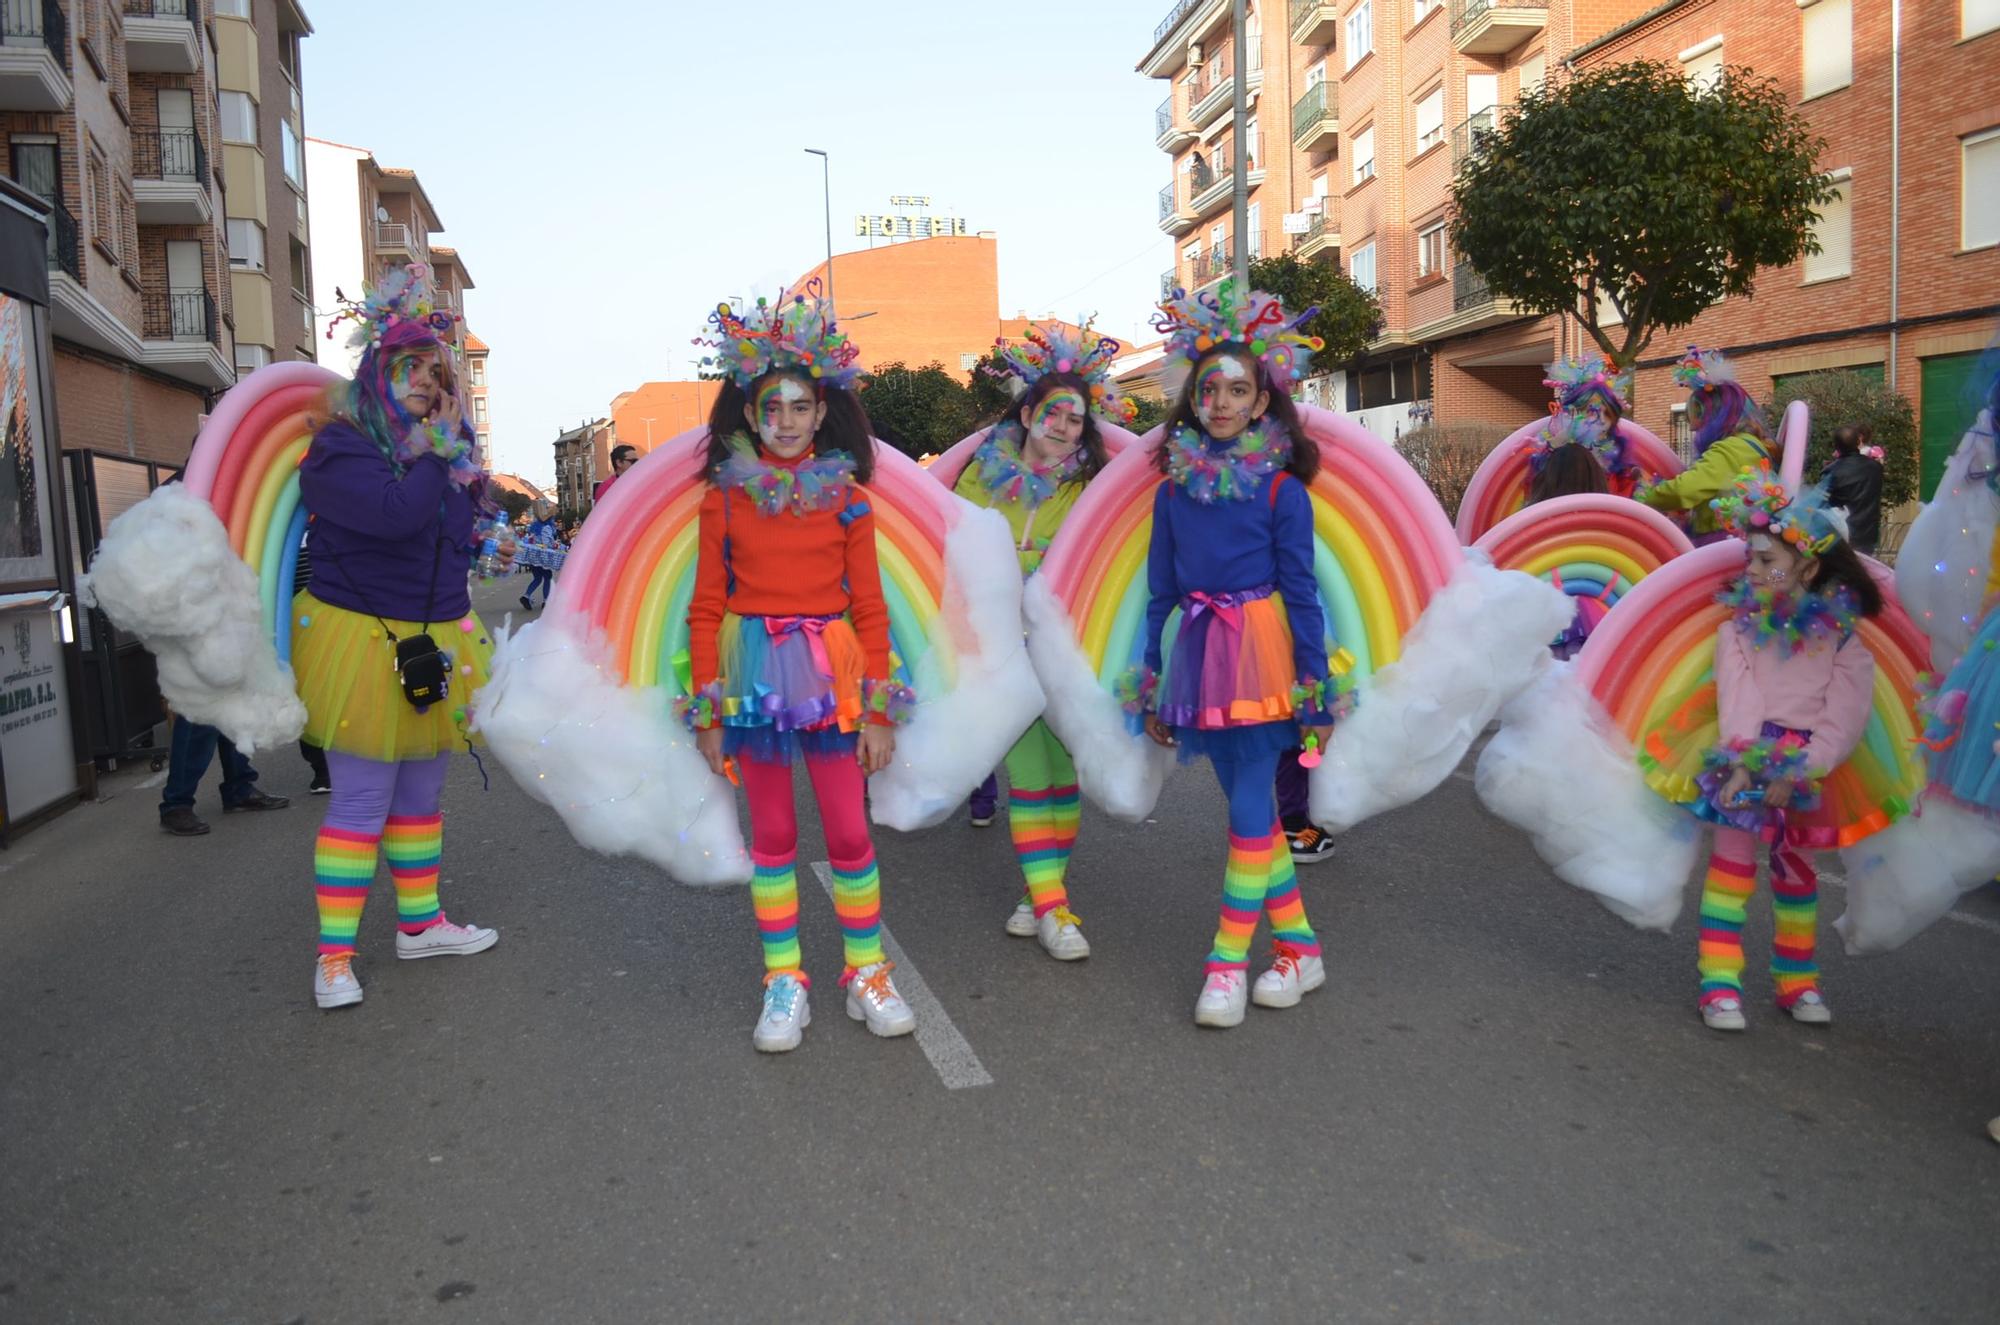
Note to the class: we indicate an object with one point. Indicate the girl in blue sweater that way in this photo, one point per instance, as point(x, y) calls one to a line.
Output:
point(1237, 664)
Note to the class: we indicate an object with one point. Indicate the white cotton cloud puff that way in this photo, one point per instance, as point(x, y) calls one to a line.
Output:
point(1121, 772)
point(957, 737)
point(1559, 771)
point(1478, 643)
point(613, 761)
point(167, 574)
point(1904, 878)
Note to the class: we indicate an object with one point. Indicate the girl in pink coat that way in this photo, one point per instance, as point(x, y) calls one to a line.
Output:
point(1793, 691)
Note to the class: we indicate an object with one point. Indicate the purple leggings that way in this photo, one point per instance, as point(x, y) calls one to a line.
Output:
point(367, 791)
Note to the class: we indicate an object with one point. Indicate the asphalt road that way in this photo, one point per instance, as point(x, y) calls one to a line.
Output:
point(1501, 1108)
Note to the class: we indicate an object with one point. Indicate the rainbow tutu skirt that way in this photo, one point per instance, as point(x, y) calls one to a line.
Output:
point(1227, 686)
point(790, 685)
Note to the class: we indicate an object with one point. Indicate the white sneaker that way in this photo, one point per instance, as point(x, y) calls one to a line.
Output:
point(1291, 977)
point(1062, 936)
point(785, 1017)
point(1724, 1014)
point(334, 985)
point(1222, 1000)
point(1811, 1009)
point(445, 939)
point(872, 997)
point(1022, 924)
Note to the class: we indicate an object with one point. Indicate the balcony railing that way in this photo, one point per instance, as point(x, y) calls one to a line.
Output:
point(1494, 27)
point(36, 22)
point(1468, 288)
point(394, 236)
point(1313, 22)
point(1219, 69)
point(63, 252)
point(1316, 230)
point(1473, 131)
point(158, 9)
point(1470, 11)
point(180, 315)
point(175, 154)
point(1169, 282)
point(1320, 104)
point(1211, 265)
point(1166, 202)
point(1163, 118)
point(1180, 11)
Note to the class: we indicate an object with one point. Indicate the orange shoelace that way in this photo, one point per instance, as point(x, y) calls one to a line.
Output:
point(1288, 959)
point(337, 966)
point(876, 985)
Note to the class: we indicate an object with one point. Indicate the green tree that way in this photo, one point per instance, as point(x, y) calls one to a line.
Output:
point(990, 392)
point(514, 503)
point(1625, 194)
point(1349, 316)
point(1152, 413)
point(919, 411)
point(1844, 397)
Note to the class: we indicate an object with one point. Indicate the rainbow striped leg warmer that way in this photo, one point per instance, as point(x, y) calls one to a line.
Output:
point(857, 904)
point(1795, 909)
point(1282, 902)
point(1043, 808)
point(1725, 896)
point(774, 896)
point(414, 846)
point(1246, 880)
point(343, 869)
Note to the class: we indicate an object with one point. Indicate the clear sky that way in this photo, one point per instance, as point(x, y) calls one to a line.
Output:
point(609, 169)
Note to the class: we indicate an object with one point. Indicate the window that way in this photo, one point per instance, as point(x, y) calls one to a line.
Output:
point(1250, 143)
point(1254, 218)
point(1430, 250)
point(1977, 16)
point(1835, 233)
point(246, 244)
point(479, 409)
point(1430, 120)
point(1979, 196)
point(479, 370)
point(1826, 33)
point(239, 117)
point(1363, 149)
point(249, 358)
point(301, 278)
point(1425, 8)
point(295, 157)
point(1607, 310)
point(127, 218)
point(233, 8)
point(100, 199)
point(1701, 65)
point(1535, 72)
point(1360, 33)
point(1362, 266)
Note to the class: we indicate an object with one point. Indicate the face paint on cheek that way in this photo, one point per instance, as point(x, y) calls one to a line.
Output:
point(773, 403)
point(1050, 411)
point(1213, 382)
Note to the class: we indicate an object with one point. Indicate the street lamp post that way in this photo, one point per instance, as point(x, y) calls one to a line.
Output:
point(1239, 258)
point(826, 185)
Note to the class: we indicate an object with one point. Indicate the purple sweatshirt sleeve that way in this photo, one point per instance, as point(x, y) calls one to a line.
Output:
point(346, 480)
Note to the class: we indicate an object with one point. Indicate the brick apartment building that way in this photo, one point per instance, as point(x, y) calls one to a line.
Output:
point(583, 460)
point(657, 412)
point(1913, 311)
point(262, 117)
point(367, 218)
point(110, 113)
point(1387, 96)
point(476, 354)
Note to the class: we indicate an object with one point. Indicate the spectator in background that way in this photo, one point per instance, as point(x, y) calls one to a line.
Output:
point(623, 457)
point(193, 747)
point(1853, 481)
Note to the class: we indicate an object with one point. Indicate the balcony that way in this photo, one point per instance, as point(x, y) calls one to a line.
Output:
point(1494, 27)
point(1213, 90)
point(1167, 135)
point(393, 238)
point(1472, 132)
point(1176, 218)
point(1314, 23)
point(182, 337)
point(1321, 238)
point(160, 37)
point(1169, 282)
point(1214, 183)
point(170, 178)
point(34, 56)
point(1316, 119)
point(63, 252)
point(1184, 20)
point(1208, 267)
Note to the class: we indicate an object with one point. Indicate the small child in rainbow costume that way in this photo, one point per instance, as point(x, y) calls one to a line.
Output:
point(395, 485)
point(1583, 424)
point(1793, 689)
point(1236, 659)
point(789, 639)
point(1031, 468)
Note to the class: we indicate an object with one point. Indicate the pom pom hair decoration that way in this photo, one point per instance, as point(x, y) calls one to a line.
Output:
point(1759, 504)
point(401, 309)
point(1700, 368)
point(1574, 379)
point(1231, 314)
point(1056, 348)
point(797, 332)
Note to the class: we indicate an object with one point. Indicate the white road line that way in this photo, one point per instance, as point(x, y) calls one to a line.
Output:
point(957, 1066)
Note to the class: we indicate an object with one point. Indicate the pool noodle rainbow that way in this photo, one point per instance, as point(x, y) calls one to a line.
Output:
point(1593, 544)
point(1499, 487)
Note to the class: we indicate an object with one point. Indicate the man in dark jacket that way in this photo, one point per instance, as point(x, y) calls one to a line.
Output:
point(1854, 482)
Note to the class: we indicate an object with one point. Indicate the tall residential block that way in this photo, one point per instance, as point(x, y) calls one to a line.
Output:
point(261, 108)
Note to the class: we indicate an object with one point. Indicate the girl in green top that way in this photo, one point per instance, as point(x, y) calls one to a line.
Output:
point(1032, 468)
point(1729, 437)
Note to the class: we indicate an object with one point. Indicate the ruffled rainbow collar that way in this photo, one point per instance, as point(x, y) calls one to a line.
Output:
point(1795, 621)
point(1008, 478)
point(816, 483)
point(1231, 474)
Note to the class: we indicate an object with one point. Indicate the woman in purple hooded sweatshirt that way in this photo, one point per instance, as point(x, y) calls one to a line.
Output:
point(394, 485)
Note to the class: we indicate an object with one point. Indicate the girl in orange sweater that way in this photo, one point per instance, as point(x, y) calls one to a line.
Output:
point(788, 639)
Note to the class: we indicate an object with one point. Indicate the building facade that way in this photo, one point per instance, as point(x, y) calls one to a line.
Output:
point(366, 219)
point(110, 113)
point(261, 111)
point(476, 388)
point(657, 412)
point(583, 460)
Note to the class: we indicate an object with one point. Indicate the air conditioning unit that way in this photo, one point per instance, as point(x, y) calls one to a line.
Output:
point(1194, 53)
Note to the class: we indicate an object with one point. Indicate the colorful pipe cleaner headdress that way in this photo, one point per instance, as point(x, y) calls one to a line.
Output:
point(1062, 349)
point(1718, 406)
point(797, 331)
point(1576, 383)
point(1700, 368)
point(1759, 504)
point(1231, 315)
point(400, 311)
point(1573, 380)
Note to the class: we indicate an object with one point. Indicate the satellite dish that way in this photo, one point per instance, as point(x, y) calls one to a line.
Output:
point(382, 214)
